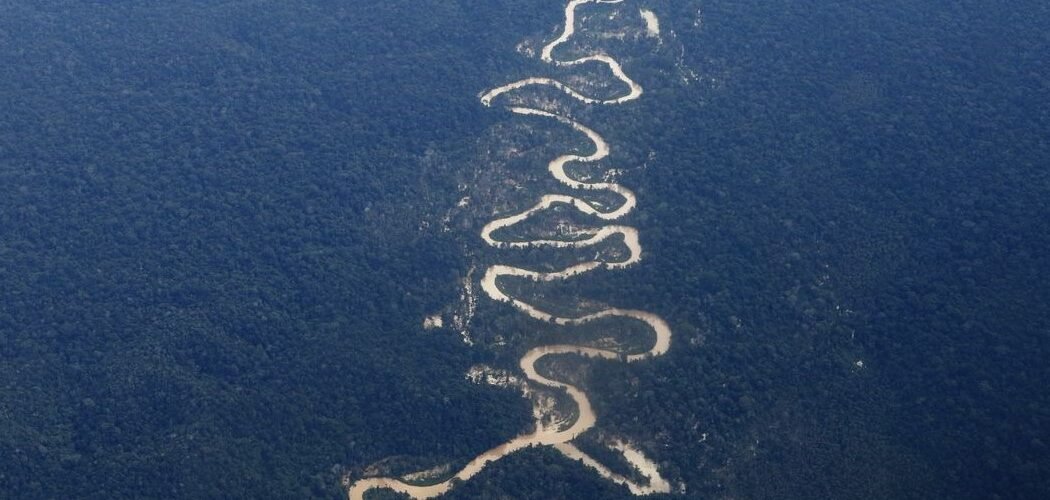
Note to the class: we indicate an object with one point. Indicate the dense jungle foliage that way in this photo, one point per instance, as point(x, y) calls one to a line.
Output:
point(220, 230)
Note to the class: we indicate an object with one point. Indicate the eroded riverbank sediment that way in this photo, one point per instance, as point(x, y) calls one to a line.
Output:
point(560, 438)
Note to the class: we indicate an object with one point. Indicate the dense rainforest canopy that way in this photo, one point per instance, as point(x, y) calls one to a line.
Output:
point(221, 227)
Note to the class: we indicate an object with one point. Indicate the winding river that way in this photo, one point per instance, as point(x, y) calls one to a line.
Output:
point(561, 439)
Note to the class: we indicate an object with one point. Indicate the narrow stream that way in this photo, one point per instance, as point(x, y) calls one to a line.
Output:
point(561, 438)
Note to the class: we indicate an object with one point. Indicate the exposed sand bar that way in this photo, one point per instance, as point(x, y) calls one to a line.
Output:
point(652, 23)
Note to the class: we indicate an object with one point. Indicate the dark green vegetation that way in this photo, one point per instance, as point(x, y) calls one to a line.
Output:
point(212, 276)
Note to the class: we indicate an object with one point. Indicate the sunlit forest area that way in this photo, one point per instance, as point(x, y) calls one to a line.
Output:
point(220, 232)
